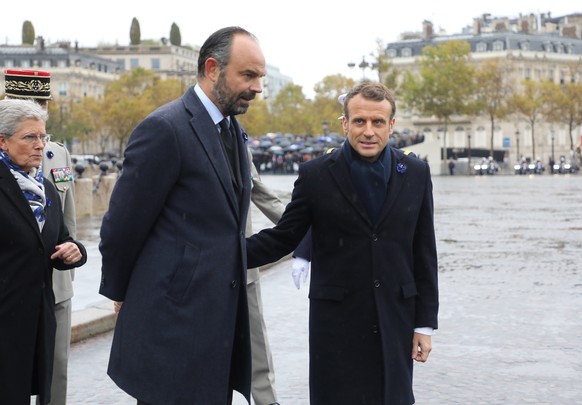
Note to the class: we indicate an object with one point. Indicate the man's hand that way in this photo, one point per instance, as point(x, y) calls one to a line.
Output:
point(421, 347)
point(300, 270)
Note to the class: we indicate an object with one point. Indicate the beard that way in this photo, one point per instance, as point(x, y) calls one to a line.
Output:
point(227, 100)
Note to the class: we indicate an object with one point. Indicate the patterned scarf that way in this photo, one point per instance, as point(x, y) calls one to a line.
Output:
point(32, 187)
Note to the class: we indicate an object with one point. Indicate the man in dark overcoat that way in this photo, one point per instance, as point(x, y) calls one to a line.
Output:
point(173, 239)
point(373, 291)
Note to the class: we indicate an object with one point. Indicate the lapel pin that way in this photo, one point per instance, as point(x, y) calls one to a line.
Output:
point(50, 154)
point(400, 168)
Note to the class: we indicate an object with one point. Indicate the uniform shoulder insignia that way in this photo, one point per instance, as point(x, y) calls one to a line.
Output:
point(329, 150)
point(409, 153)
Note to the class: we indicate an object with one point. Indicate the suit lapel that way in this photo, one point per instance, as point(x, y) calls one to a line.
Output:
point(208, 135)
point(244, 167)
point(397, 180)
point(13, 193)
point(340, 173)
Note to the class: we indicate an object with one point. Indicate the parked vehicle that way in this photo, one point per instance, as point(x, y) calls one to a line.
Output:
point(564, 167)
point(521, 167)
point(486, 166)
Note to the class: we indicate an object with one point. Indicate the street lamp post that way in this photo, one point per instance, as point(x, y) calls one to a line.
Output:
point(517, 144)
point(469, 151)
point(325, 126)
point(364, 64)
point(553, 158)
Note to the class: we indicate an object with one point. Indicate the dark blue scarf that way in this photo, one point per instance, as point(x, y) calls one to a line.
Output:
point(369, 179)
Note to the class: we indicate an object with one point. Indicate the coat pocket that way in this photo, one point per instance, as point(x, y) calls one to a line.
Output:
point(409, 290)
point(184, 273)
point(326, 292)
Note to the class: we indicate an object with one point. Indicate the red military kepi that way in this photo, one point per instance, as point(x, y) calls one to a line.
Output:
point(22, 83)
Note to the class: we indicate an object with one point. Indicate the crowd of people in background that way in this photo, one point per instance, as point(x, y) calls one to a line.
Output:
point(278, 153)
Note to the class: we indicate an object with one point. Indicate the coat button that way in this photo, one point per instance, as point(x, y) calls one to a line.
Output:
point(376, 283)
point(374, 237)
point(233, 283)
point(374, 328)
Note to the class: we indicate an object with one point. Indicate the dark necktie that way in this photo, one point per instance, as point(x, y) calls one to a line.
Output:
point(230, 147)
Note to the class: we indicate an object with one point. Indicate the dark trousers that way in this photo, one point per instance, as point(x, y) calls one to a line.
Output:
point(228, 400)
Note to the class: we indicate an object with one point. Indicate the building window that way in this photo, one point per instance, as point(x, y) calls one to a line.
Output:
point(405, 52)
point(121, 63)
point(25, 64)
point(498, 45)
point(45, 64)
point(9, 63)
point(391, 53)
point(481, 47)
point(63, 89)
point(133, 63)
point(155, 63)
point(559, 48)
point(524, 46)
point(62, 64)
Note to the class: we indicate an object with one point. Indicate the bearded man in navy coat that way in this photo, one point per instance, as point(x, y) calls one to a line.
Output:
point(173, 239)
point(373, 291)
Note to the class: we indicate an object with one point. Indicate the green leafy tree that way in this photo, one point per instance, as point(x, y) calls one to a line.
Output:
point(387, 73)
point(564, 103)
point(175, 36)
point(289, 109)
point(134, 32)
point(85, 122)
point(529, 102)
point(258, 119)
point(325, 106)
point(445, 85)
point(492, 92)
point(28, 34)
point(128, 101)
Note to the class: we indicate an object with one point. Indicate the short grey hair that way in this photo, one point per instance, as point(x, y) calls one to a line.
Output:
point(14, 111)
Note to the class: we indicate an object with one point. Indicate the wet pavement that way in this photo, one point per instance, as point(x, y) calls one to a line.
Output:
point(510, 250)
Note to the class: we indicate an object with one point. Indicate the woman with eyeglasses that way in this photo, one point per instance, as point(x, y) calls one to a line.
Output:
point(33, 241)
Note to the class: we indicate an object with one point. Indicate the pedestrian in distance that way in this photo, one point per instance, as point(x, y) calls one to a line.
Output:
point(57, 166)
point(451, 166)
point(173, 238)
point(373, 289)
point(33, 240)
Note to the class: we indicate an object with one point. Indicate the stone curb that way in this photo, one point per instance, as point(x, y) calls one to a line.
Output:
point(92, 321)
point(100, 318)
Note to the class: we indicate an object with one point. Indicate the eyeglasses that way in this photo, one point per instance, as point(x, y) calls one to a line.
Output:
point(30, 138)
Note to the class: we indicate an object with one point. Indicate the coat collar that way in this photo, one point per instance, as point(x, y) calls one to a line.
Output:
point(339, 171)
point(13, 193)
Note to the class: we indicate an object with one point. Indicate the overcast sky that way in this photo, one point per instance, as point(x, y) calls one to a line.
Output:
point(306, 40)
